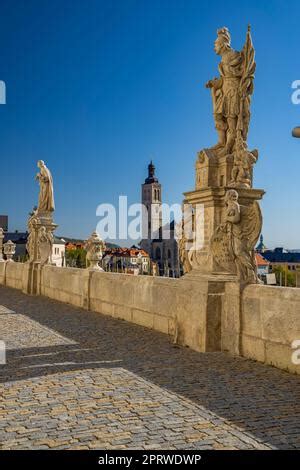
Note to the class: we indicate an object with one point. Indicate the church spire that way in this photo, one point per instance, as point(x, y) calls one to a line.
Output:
point(151, 174)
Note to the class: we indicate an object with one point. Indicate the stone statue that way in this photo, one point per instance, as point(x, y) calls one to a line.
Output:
point(243, 161)
point(233, 242)
point(231, 92)
point(46, 196)
point(31, 224)
point(185, 241)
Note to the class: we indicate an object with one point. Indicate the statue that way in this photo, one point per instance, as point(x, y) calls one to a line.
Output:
point(243, 161)
point(231, 92)
point(40, 222)
point(33, 221)
point(46, 197)
point(233, 242)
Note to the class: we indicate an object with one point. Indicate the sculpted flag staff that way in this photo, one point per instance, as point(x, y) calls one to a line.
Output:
point(246, 85)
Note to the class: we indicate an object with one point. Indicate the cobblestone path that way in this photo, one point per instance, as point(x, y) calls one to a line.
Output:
point(80, 380)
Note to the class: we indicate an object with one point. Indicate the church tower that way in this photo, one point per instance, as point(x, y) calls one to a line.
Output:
point(151, 199)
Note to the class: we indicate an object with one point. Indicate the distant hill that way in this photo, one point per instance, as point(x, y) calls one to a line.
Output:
point(77, 240)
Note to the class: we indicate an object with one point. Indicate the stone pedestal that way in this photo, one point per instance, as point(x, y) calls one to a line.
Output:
point(209, 208)
point(212, 201)
point(39, 247)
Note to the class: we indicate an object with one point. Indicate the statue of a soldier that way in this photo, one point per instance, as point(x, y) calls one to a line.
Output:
point(231, 92)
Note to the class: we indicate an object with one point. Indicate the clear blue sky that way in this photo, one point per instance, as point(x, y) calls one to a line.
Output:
point(95, 88)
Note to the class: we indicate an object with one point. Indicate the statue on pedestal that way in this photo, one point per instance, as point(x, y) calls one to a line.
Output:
point(40, 223)
point(231, 220)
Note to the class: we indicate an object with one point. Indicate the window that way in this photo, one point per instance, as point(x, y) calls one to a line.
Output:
point(157, 253)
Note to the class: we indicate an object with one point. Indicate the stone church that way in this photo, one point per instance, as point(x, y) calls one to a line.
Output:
point(164, 252)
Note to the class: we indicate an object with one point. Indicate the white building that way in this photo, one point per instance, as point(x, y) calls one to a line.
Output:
point(59, 252)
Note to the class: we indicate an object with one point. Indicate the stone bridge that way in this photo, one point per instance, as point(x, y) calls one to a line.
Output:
point(77, 379)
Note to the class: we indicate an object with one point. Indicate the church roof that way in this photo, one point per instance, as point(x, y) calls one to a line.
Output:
point(151, 174)
point(280, 256)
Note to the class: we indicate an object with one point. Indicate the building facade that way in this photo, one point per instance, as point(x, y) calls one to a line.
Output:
point(4, 222)
point(280, 257)
point(59, 252)
point(162, 251)
point(127, 260)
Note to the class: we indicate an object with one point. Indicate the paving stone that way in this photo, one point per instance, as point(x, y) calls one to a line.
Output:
point(80, 380)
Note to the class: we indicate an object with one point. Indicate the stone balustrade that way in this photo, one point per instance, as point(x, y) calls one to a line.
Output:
point(260, 322)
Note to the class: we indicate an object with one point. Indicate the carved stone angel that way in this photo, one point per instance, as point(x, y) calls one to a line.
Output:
point(234, 240)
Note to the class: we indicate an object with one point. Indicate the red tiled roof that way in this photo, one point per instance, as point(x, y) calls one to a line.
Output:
point(260, 260)
point(126, 252)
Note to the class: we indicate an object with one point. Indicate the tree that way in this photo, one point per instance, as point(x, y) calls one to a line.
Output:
point(76, 258)
point(288, 277)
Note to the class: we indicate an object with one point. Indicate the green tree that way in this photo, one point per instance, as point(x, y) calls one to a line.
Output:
point(288, 277)
point(76, 258)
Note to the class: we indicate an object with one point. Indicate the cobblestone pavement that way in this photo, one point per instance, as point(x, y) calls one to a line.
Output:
point(80, 380)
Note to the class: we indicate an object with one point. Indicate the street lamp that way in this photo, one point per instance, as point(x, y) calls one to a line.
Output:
point(296, 132)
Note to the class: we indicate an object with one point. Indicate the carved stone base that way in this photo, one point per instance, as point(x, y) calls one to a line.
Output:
point(40, 239)
point(209, 211)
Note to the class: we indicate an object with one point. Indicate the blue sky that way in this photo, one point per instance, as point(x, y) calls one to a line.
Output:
point(97, 88)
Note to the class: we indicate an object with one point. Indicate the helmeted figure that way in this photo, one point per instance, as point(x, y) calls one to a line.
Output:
point(231, 92)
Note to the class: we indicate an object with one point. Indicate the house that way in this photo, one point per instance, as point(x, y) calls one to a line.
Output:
point(126, 260)
point(262, 265)
point(59, 252)
point(20, 240)
point(289, 260)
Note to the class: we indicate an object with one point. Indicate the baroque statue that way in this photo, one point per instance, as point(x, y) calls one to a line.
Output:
point(46, 196)
point(243, 161)
point(40, 222)
point(232, 90)
point(234, 240)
